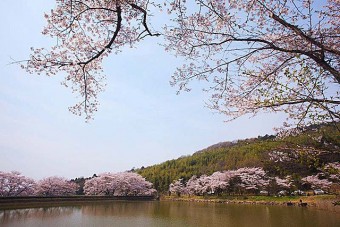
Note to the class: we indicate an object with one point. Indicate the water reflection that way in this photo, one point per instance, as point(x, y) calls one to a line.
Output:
point(133, 213)
point(119, 208)
point(8, 216)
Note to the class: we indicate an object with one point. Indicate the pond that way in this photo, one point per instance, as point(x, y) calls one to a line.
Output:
point(168, 213)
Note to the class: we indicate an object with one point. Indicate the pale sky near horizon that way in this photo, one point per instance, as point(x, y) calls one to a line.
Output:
point(141, 121)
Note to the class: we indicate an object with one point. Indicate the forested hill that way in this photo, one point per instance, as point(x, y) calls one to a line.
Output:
point(310, 150)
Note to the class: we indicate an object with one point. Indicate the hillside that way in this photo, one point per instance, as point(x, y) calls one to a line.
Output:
point(315, 147)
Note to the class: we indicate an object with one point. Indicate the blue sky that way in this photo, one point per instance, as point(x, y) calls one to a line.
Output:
point(141, 121)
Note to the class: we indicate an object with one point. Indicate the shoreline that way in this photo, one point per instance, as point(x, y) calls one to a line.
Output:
point(7, 203)
point(319, 204)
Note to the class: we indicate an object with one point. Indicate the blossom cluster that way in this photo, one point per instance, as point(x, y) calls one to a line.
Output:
point(85, 33)
point(15, 184)
point(254, 55)
point(253, 180)
point(118, 184)
point(240, 180)
point(266, 56)
point(317, 181)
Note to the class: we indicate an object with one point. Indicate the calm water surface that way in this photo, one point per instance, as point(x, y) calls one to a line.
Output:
point(158, 214)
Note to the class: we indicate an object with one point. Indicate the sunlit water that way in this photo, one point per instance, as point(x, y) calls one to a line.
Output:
point(158, 214)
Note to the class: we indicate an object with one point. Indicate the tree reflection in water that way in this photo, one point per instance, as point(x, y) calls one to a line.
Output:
point(6, 216)
point(166, 213)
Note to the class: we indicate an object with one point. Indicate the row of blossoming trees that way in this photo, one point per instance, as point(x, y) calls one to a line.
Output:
point(252, 181)
point(117, 184)
point(120, 184)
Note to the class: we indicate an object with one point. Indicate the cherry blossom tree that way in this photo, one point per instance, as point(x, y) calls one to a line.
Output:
point(331, 171)
point(252, 179)
point(15, 184)
point(244, 179)
point(285, 183)
point(177, 187)
point(332, 167)
point(219, 181)
point(96, 186)
point(261, 55)
point(317, 181)
point(105, 184)
point(203, 185)
point(118, 184)
point(277, 184)
point(133, 184)
point(193, 186)
point(86, 32)
point(55, 186)
point(289, 159)
point(255, 55)
point(216, 183)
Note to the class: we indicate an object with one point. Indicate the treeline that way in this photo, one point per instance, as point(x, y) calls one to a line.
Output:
point(13, 184)
point(313, 149)
point(255, 180)
point(298, 156)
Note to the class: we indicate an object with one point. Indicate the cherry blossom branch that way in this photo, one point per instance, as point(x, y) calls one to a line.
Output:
point(318, 59)
point(108, 46)
point(271, 62)
point(299, 32)
point(86, 33)
point(144, 21)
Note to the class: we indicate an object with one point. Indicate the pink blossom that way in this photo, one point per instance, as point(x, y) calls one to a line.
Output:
point(253, 56)
point(316, 182)
point(55, 186)
point(118, 184)
point(14, 184)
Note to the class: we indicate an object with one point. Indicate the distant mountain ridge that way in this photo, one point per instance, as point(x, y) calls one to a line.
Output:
point(218, 145)
point(227, 144)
